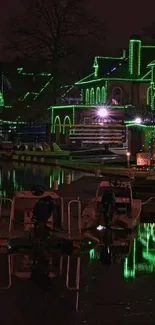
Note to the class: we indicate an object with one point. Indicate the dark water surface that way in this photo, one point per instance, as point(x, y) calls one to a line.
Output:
point(120, 290)
point(18, 177)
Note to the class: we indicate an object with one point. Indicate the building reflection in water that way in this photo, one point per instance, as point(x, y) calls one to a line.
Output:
point(22, 267)
point(19, 177)
point(142, 256)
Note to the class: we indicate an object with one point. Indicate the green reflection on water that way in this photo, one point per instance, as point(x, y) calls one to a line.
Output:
point(142, 256)
point(93, 254)
point(18, 177)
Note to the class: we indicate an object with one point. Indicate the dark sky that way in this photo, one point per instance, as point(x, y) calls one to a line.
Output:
point(123, 18)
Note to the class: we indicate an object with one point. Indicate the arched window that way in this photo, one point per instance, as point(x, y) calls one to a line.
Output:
point(57, 122)
point(98, 95)
point(67, 123)
point(103, 99)
point(117, 96)
point(87, 97)
point(92, 96)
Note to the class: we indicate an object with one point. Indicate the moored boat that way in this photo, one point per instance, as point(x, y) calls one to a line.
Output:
point(113, 205)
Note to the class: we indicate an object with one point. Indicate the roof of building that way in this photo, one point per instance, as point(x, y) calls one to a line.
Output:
point(118, 67)
point(25, 90)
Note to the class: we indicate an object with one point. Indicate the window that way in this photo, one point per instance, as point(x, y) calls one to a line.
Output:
point(98, 95)
point(57, 124)
point(66, 124)
point(103, 99)
point(87, 96)
point(92, 96)
point(117, 96)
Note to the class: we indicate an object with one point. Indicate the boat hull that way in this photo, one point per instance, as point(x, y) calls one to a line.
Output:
point(93, 217)
point(100, 152)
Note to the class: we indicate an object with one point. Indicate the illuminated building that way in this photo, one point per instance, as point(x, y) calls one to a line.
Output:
point(124, 84)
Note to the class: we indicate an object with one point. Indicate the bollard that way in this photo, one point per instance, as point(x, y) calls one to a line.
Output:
point(68, 179)
point(55, 185)
point(97, 173)
point(56, 162)
point(15, 157)
point(42, 159)
point(132, 175)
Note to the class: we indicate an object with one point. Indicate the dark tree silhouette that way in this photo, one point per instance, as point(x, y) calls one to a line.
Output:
point(54, 30)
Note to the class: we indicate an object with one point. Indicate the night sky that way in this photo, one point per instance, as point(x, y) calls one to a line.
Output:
point(123, 18)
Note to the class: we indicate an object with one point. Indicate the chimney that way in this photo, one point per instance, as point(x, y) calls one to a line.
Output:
point(135, 57)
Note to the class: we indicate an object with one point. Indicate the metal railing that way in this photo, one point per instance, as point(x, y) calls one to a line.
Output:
point(2, 199)
point(69, 214)
point(12, 210)
point(33, 198)
point(9, 273)
point(77, 285)
point(149, 200)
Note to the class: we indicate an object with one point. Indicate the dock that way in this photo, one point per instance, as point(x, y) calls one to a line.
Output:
point(63, 160)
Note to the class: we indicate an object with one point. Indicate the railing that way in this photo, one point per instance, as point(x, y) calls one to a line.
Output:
point(9, 270)
point(2, 199)
point(32, 198)
point(69, 214)
point(27, 274)
point(149, 200)
point(76, 287)
point(12, 210)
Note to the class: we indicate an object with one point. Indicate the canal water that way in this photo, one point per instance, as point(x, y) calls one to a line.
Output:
point(18, 177)
point(118, 288)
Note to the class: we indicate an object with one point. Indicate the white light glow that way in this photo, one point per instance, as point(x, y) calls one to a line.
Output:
point(138, 120)
point(100, 228)
point(102, 112)
point(128, 154)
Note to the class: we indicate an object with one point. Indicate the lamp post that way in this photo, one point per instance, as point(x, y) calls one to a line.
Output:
point(128, 159)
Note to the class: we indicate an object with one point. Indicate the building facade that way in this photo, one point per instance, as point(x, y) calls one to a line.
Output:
point(123, 84)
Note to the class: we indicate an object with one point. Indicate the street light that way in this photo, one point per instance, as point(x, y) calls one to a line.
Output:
point(128, 159)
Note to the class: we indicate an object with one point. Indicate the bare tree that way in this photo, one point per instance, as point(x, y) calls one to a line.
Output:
point(53, 30)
